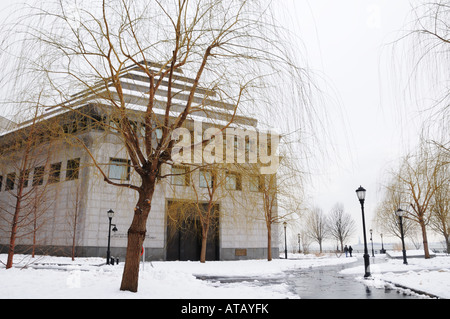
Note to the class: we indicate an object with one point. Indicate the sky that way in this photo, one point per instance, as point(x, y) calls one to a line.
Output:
point(346, 45)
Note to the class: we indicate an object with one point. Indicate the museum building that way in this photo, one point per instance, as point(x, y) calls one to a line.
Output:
point(65, 200)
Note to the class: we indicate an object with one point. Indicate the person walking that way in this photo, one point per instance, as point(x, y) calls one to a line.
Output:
point(345, 250)
point(350, 249)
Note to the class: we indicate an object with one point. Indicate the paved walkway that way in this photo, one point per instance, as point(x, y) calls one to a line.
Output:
point(323, 283)
point(328, 283)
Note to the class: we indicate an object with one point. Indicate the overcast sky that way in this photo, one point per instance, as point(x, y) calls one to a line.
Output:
point(346, 43)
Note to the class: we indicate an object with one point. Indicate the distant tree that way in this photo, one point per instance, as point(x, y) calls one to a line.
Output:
point(317, 226)
point(340, 225)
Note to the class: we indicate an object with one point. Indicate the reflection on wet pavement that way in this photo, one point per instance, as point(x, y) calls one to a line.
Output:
point(320, 283)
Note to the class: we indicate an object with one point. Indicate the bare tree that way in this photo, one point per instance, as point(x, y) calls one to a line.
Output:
point(393, 198)
point(198, 207)
point(340, 225)
point(316, 225)
point(419, 177)
point(73, 217)
point(274, 198)
point(227, 46)
point(23, 203)
point(440, 207)
point(425, 63)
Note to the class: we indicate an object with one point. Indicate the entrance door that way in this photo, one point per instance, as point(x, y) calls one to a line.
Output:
point(184, 235)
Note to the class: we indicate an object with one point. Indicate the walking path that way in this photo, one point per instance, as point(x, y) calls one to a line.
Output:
point(327, 283)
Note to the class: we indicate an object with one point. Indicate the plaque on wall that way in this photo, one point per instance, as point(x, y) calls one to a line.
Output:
point(240, 252)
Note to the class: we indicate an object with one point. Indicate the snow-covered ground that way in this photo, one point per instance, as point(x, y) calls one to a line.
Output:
point(59, 277)
point(430, 276)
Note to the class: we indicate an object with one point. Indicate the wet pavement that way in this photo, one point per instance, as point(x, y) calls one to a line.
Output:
point(327, 283)
point(323, 283)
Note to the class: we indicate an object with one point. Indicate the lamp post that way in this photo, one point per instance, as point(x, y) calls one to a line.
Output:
point(371, 240)
point(285, 242)
point(382, 246)
point(299, 249)
point(400, 213)
point(108, 252)
point(361, 193)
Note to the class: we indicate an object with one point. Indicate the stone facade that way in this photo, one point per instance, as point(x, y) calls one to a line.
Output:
point(242, 232)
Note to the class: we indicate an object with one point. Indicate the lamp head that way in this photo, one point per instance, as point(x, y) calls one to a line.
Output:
point(400, 212)
point(110, 214)
point(361, 193)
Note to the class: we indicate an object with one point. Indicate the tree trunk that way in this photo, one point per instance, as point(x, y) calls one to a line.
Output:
point(12, 240)
point(425, 239)
point(447, 240)
point(205, 222)
point(269, 242)
point(136, 236)
point(34, 236)
point(204, 243)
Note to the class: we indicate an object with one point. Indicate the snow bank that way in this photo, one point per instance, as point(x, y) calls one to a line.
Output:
point(431, 276)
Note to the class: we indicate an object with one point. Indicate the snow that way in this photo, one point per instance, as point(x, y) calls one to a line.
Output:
point(46, 277)
point(431, 276)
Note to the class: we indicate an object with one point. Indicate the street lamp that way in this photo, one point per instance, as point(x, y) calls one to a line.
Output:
point(382, 251)
point(371, 240)
point(400, 213)
point(285, 242)
point(299, 249)
point(108, 252)
point(361, 193)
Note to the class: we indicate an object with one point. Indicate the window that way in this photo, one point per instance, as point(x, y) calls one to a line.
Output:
point(98, 122)
point(233, 181)
point(10, 181)
point(73, 169)
point(38, 176)
point(55, 173)
point(142, 129)
point(256, 183)
point(181, 176)
point(26, 176)
point(206, 178)
point(114, 125)
point(158, 133)
point(119, 169)
point(70, 128)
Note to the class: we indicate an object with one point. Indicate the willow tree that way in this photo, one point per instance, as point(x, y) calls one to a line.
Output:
point(24, 153)
point(394, 197)
point(425, 63)
point(419, 177)
point(226, 49)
